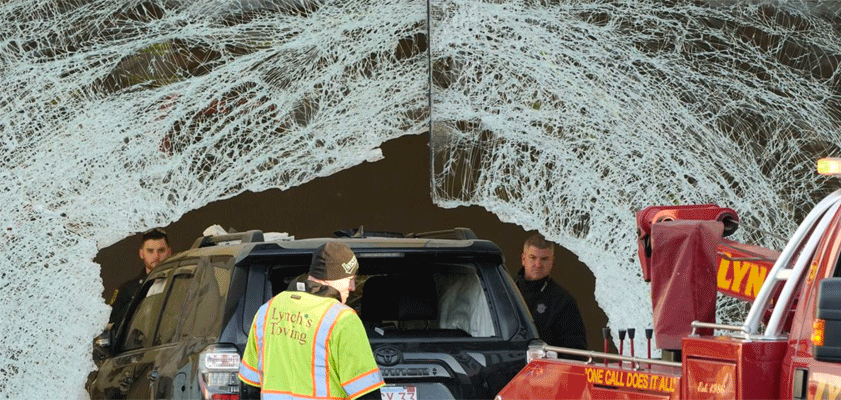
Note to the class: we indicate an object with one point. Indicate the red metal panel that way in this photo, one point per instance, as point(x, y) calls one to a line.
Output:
point(546, 379)
point(753, 366)
point(614, 394)
point(760, 371)
point(707, 380)
point(563, 379)
point(712, 348)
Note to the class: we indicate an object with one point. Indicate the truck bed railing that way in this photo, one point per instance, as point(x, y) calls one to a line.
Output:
point(744, 330)
point(612, 357)
point(721, 327)
point(781, 272)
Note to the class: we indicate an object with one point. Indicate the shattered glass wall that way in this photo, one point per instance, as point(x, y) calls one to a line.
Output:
point(568, 117)
point(565, 117)
point(117, 116)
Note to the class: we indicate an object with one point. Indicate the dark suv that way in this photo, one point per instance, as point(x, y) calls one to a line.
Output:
point(442, 314)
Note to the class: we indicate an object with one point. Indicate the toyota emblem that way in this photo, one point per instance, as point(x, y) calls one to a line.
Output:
point(388, 355)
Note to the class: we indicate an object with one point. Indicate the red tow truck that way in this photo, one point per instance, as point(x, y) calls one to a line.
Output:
point(789, 346)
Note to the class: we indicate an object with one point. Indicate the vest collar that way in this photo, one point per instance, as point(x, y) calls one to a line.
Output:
point(314, 288)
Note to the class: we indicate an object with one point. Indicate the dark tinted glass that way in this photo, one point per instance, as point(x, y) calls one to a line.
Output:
point(281, 277)
point(173, 309)
point(208, 307)
point(145, 316)
point(434, 301)
point(395, 298)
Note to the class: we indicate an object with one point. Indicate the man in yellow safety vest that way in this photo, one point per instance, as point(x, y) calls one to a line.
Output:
point(305, 343)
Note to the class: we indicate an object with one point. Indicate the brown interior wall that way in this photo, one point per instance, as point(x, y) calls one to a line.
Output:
point(392, 194)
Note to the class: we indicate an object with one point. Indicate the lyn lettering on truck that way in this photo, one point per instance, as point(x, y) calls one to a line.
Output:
point(828, 387)
point(630, 379)
point(741, 277)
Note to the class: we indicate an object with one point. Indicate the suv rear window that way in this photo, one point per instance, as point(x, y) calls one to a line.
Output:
point(439, 300)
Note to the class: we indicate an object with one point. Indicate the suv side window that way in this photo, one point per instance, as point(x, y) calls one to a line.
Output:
point(145, 317)
point(173, 309)
point(212, 282)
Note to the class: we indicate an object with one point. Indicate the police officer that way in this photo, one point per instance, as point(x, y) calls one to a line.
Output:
point(554, 310)
point(154, 249)
point(306, 343)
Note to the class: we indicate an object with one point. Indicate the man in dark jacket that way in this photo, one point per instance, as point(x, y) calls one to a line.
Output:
point(554, 310)
point(154, 249)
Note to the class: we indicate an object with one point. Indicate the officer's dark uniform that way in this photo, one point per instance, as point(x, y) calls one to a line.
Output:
point(555, 312)
point(122, 297)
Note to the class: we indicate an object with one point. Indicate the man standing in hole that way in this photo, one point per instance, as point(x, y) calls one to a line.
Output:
point(154, 249)
point(554, 310)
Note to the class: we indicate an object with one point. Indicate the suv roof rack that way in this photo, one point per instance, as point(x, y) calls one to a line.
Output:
point(362, 233)
point(455, 233)
point(251, 236)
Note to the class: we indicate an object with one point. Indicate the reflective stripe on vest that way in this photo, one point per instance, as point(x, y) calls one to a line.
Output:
point(278, 395)
point(363, 383)
point(320, 352)
point(249, 375)
point(260, 332)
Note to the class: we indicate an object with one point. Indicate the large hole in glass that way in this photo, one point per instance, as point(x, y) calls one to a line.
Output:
point(388, 195)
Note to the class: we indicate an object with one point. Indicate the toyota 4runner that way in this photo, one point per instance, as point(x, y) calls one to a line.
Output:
point(443, 317)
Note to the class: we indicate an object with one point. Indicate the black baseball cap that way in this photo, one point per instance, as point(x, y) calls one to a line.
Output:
point(332, 261)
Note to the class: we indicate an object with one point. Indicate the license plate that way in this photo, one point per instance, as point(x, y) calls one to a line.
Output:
point(398, 393)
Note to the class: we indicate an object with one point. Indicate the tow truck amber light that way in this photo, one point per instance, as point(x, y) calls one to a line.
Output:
point(829, 166)
point(818, 328)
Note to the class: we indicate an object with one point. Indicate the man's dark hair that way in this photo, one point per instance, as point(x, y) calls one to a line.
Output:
point(154, 234)
point(538, 241)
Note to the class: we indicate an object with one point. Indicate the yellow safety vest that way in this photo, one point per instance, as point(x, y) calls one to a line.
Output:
point(304, 346)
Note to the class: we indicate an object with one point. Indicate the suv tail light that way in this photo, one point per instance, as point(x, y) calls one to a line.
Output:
point(218, 368)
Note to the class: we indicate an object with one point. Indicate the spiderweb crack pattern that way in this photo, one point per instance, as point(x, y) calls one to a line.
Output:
point(564, 117)
point(568, 117)
point(120, 116)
